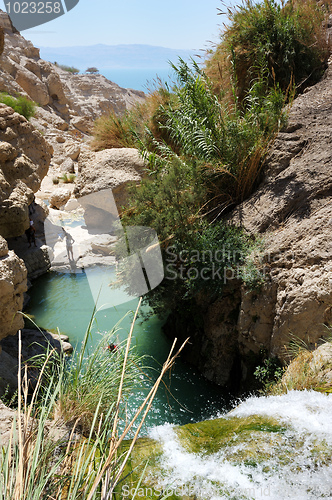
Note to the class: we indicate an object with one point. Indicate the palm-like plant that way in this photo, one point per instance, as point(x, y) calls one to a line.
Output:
point(229, 141)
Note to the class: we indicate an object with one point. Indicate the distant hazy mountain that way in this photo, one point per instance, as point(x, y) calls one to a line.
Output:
point(115, 56)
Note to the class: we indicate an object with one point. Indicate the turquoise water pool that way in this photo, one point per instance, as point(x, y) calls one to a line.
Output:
point(64, 301)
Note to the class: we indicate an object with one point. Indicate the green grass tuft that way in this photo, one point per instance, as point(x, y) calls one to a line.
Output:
point(20, 104)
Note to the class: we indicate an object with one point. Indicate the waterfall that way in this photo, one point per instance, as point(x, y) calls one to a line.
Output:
point(289, 460)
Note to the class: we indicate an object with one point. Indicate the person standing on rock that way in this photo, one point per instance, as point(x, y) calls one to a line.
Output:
point(30, 234)
point(69, 244)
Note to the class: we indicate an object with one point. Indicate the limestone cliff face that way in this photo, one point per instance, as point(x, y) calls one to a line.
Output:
point(13, 283)
point(57, 135)
point(57, 91)
point(24, 160)
point(95, 95)
point(292, 211)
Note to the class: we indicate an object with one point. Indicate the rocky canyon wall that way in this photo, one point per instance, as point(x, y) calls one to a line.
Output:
point(292, 212)
point(57, 91)
point(13, 284)
point(56, 135)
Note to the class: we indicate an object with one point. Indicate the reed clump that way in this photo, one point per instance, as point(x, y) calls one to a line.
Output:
point(65, 441)
point(287, 38)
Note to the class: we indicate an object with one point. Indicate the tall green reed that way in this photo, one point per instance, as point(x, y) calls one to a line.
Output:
point(65, 439)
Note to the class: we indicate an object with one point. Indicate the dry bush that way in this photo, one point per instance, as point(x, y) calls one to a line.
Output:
point(122, 131)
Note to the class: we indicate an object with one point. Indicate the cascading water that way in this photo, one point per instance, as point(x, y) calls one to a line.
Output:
point(289, 459)
point(277, 447)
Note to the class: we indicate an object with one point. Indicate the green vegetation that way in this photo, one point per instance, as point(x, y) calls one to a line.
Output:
point(208, 437)
point(287, 39)
point(269, 372)
point(252, 444)
point(308, 369)
point(65, 178)
point(71, 422)
point(141, 120)
point(208, 160)
point(92, 70)
point(69, 69)
point(205, 140)
point(68, 178)
point(20, 104)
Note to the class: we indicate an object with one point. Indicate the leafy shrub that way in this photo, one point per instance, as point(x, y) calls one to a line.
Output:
point(69, 69)
point(288, 40)
point(269, 372)
point(20, 104)
point(209, 160)
point(92, 70)
point(231, 142)
point(205, 148)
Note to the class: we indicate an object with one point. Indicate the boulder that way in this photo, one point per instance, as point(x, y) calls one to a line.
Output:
point(310, 369)
point(83, 124)
point(33, 342)
point(59, 197)
point(24, 160)
point(37, 260)
point(72, 204)
point(73, 150)
point(35, 88)
point(3, 247)
point(68, 166)
point(108, 169)
point(55, 88)
point(60, 139)
point(103, 244)
point(33, 66)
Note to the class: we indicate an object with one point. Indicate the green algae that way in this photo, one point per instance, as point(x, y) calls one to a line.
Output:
point(256, 444)
point(210, 436)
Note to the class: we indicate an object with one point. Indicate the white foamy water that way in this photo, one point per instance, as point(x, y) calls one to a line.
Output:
point(294, 467)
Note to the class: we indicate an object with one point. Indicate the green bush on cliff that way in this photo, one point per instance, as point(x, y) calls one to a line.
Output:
point(287, 39)
point(210, 161)
point(122, 132)
point(69, 69)
point(207, 143)
point(20, 104)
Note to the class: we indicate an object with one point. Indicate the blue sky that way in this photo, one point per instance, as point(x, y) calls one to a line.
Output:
point(181, 24)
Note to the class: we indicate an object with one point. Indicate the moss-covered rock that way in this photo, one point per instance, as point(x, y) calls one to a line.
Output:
point(235, 457)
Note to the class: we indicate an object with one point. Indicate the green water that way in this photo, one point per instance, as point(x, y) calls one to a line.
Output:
point(65, 301)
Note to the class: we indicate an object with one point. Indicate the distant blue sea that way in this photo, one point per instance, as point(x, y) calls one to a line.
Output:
point(138, 79)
